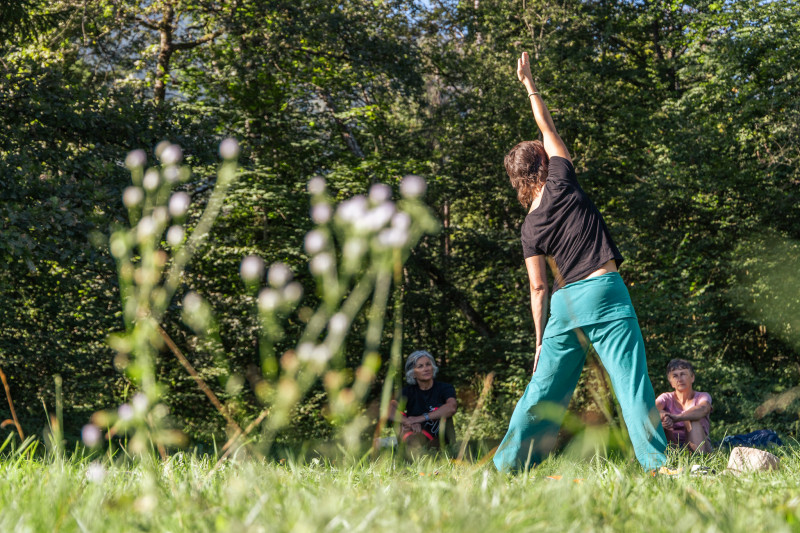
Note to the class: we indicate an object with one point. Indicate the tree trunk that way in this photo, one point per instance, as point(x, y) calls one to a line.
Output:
point(165, 52)
point(344, 129)
point(454, 296)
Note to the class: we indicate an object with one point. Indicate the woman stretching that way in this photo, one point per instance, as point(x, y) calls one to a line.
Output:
point(590, 304)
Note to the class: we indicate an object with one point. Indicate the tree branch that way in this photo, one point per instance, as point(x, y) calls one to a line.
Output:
point(146, 23)
point(344, 128)
point(193, 44)
point(11, 406)
point(454, 295)
point(200, 383)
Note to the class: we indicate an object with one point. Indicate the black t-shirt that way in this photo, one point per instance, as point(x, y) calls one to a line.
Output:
point(567, 227)
point(420, 401)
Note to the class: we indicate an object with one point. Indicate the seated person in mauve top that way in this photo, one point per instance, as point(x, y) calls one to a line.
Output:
point(685, 411)
point(428, 402)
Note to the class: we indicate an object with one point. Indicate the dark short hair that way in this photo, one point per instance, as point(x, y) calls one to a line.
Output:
point(678, 364)
point(526, 165)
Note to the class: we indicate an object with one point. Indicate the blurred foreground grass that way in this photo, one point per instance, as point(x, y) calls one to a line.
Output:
point(186, 493)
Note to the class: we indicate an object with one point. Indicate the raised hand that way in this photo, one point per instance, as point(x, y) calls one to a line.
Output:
point(524, 68)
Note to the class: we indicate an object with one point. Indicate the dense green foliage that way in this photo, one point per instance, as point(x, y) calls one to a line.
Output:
point(683, 119)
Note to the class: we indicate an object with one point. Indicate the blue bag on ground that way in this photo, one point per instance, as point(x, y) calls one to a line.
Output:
point(762, 438)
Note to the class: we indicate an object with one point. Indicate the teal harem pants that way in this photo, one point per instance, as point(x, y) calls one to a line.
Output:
point(600, 309)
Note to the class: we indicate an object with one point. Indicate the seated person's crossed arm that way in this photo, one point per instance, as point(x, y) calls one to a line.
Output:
point(685, 411)
point(427, 401)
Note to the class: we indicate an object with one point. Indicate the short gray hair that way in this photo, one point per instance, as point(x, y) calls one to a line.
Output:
point(411, 362)
point(679, 364)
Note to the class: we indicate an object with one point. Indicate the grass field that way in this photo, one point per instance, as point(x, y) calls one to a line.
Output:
point(186, 493)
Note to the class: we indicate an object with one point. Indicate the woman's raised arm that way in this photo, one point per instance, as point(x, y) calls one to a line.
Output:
point(553, 144)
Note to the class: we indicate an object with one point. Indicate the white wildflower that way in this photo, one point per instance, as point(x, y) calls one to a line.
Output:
point(171, 155)
point(316, 354)
point(401, 221)
point(125, 412)
point(252, 269)
point(95, 472)
point(229, 149)
point(393, 237)
point(293, 292)
point(119, 247)
point(375, 218)
point(354, 249)
point(268, 300)
point(380, 192)
point(175, 235)
point(140, 403)
point(315, 241)
point(412, 186)
point(151, 180)
point(353, 209)
point(316, 185)
point(160, 216)
point(279, 275)
point(91, 435)
point(160, 147)
point(321, 354)
point(132, 197)
point(321, 213)
point(305, 351)
point(321, 264)
point(145, 228)
point(172, 174)
point(179, 204)
point(338, 323)
point(192, 302)
point(135, 159)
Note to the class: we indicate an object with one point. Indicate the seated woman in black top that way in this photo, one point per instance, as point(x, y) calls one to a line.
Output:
point(429, 404)
point(590, 305)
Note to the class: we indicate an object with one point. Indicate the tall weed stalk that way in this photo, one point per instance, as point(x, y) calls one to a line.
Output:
point(356, 249)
